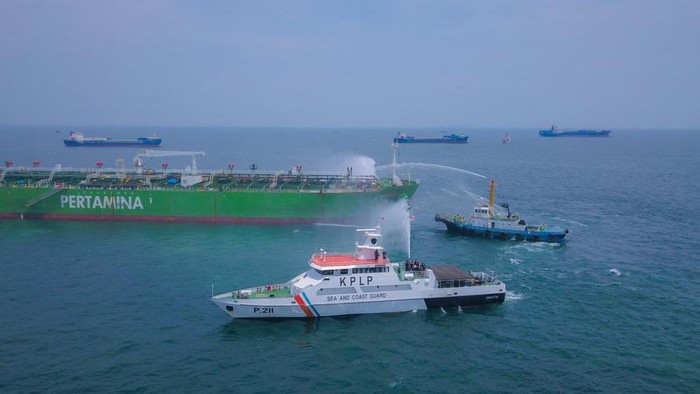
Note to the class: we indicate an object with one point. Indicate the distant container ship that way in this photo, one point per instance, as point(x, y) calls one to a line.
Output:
point(192, 196)
point(555, 132)
point(401, 138)
point(78, 139)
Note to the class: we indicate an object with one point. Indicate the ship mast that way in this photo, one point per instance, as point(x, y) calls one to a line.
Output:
point(492, 190)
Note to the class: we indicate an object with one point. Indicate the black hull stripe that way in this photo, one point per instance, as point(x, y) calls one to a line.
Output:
point(446, 302)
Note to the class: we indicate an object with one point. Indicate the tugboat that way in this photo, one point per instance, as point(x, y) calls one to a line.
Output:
point(487, 222)
point(362, 282)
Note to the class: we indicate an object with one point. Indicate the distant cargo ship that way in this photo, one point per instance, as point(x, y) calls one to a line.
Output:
point(222, 196)
point(554, 132)
point(78, 139)
point(401, 138)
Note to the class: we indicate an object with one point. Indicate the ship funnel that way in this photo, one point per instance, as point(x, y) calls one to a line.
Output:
point(506, 206)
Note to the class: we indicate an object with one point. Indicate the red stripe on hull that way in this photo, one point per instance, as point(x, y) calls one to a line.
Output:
point(173, 219)
point(302, 305)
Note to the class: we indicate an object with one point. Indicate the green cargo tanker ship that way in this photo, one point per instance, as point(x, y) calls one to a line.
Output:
point(192, 196)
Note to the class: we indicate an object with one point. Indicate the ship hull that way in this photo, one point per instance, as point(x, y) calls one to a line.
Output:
point(200, 205)
point(430, 140)
point(315, 307)
point(555, 235)
point(113, 143)
point(576, 133)
point(341, 284)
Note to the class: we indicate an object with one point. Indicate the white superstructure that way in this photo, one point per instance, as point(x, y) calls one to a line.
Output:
point(365, 281)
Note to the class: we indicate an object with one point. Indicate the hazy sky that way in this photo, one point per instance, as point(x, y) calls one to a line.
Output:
point(602, 64)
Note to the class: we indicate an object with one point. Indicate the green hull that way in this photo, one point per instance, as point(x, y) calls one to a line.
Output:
point(196, 205)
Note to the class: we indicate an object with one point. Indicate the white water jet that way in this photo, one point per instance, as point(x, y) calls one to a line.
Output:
point(362, 165)
point(396, 225)
point(473, 195)
point(343, 164)
point(430, 165)
point(336, 225)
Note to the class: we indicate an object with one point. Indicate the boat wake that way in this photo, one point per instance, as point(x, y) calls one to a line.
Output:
point(513, 296)
point(396, 382)
point(536, 246)
point(570, 221)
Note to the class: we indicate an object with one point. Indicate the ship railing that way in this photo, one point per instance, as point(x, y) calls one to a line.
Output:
point(409, 275)
point(245, 181)
point(485, 279)
point(301, 186)
point(209, 180)
point(473, 279)
point(267, 291)
point(43, 182)
point(52, 174)
point(272, 184)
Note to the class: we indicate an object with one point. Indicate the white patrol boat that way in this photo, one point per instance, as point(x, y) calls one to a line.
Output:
point(363, 282)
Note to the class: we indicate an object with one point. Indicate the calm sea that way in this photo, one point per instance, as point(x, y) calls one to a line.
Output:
point(124, 307)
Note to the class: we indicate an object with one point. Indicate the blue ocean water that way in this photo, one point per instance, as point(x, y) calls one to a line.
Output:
point(123, 307)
